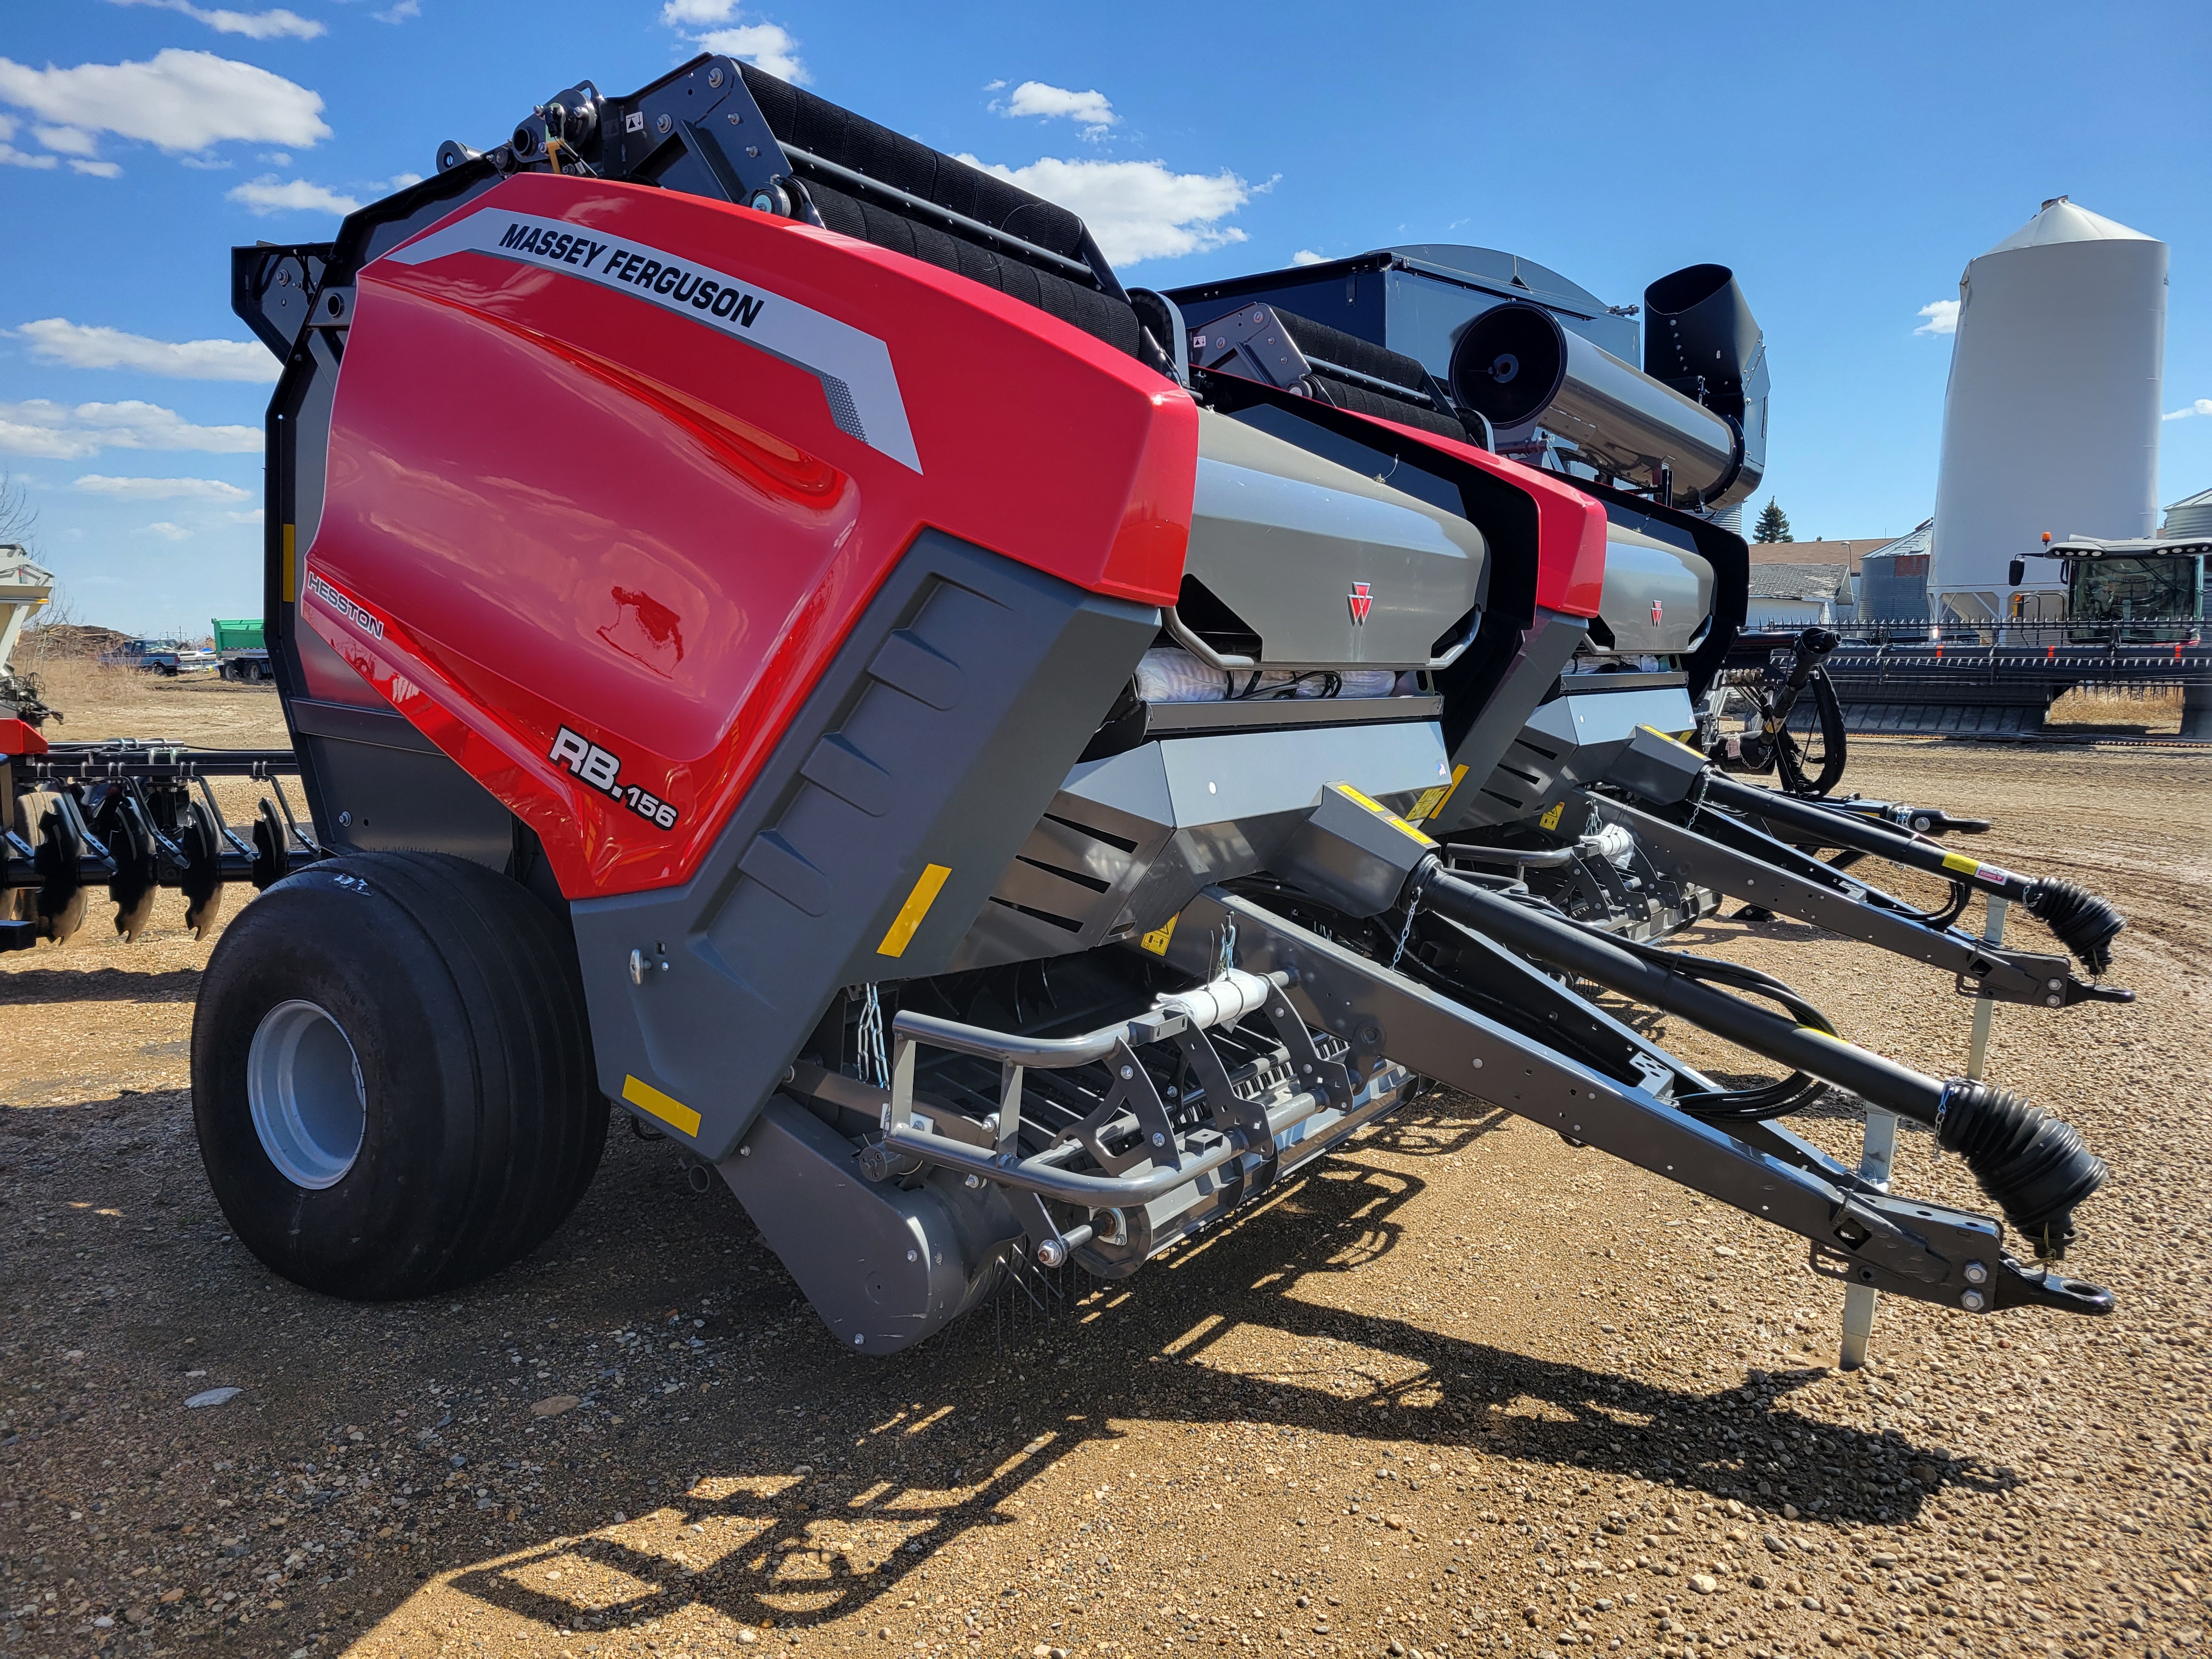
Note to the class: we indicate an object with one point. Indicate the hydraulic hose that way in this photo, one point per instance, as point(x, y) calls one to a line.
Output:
point(2030, 1164)
point(2085, 924)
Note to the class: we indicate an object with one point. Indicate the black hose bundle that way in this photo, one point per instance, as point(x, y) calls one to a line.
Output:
point(2032, 1165)
point(1793, 1093)
point(2082, 922)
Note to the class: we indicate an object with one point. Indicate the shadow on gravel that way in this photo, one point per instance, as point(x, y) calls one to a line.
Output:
point(31, 985)
point(956, 1438)
point(802, 1553)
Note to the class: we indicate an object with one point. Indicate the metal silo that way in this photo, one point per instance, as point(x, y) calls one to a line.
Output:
point(2052, 419)
point(2189, 517)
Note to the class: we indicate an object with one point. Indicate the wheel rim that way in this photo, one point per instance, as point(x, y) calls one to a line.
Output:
point(303, 1083)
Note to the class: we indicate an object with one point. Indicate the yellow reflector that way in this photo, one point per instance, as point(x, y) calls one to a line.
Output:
point(915, 908)
point(1367, 801)
point(673, 1113)
point(291, 583)
point(1380, 811)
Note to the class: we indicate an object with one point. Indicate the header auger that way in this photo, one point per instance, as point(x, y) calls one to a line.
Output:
point(1003, 766)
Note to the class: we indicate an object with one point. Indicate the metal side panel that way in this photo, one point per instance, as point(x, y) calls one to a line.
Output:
point(1292, 543)
point(884, 1265)
point(868, 843)
point(1574, 738)
point(1133, 838)
point(1656, 597)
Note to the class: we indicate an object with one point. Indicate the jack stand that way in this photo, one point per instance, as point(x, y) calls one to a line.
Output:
point(1880, 1150)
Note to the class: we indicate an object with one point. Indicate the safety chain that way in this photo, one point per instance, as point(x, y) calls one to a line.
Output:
point(1406, 932)
point(1698, 797)
point(875, 1064)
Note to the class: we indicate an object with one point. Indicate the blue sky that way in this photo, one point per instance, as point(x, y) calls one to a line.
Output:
point(1847, 160)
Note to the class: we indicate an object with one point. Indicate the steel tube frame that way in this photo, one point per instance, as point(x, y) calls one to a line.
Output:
point(1841, 907)
point(1829, 828)
point(1778, 1037)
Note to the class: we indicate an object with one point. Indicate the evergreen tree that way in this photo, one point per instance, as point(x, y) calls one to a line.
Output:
point(1773, 525)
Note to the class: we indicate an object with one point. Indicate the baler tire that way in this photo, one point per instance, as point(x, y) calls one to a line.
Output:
point(480, 1119)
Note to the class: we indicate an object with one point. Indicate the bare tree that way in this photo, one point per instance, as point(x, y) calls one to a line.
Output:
point(19, 519)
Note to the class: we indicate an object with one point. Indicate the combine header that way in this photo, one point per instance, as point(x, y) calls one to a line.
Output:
point(999, 765)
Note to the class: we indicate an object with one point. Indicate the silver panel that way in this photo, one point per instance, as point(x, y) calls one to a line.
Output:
point(1281, 536)
point(1641, 571)
point(1131, 839)
point(1573, 739)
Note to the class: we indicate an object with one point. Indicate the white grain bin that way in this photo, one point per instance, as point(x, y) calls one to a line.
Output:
point(2051, 418)
point(2188, 519)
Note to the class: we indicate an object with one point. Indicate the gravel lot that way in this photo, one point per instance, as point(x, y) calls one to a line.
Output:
point(1463, 1391)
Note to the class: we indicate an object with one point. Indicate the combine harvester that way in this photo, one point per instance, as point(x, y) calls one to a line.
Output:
point(755, 686)
point(2134, 619)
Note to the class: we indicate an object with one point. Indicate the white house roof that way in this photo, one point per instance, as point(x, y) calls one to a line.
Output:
point(1802, 581)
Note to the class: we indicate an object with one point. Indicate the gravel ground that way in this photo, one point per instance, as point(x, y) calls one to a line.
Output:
point(1464, 1390)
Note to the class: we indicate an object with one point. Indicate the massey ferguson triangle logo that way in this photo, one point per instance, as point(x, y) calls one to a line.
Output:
point(1362, 600)
point(1654, 613)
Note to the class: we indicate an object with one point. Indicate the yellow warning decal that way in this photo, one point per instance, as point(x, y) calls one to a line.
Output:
point(290, 590)
point(915, 908)
point(1157, 941)
point(1550, 819)
point(673, 1113)
point(1962, 864)
point(1432, 804)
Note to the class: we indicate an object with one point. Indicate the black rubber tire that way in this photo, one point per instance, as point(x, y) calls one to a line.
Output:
point(459, 994)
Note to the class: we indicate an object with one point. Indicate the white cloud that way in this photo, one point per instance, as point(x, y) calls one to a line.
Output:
point(96, 169)
point(1943, 318)
point(1137, 210)
point(253, 25)
point(158, 489)
point(165, 530)
point(252, 516)
point(67, 141)
point(397, 181)
point(56, 431)
point(74, 345)
point(1092, 108)
point(177, 100)
point(10, 156)
point(992, 86)
point(765, 46)
point(400, 13)
point(2202, 406)
point(1306, 256)
point(770, 46)
point(268, 194)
